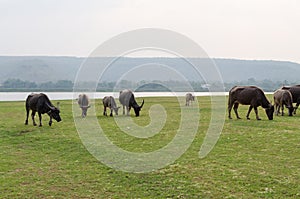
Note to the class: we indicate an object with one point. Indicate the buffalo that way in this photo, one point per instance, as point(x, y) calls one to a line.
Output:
point(127, 99)
point(109, 101)
point(283, 98)
point(40, 103)
point(295, 91)
point(83, 102)
point(249, 95)
point(189, 98)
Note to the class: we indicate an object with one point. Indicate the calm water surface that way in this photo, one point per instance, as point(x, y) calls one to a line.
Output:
point(21, 96)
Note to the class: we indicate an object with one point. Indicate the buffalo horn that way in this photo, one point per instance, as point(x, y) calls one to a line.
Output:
point(142, 104)
point(52, 108)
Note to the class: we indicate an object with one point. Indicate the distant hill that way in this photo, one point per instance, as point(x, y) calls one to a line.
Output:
point(39, 68)
point(44, 68)
point(241, 70)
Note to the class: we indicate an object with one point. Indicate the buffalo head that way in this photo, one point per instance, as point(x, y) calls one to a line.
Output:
point(270, 111)
point(116, 109)
point(54, 113)
point(84, 110)
point(291, 110)
point(137, 109)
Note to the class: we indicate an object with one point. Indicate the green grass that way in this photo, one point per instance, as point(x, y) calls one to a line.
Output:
point(252, 159)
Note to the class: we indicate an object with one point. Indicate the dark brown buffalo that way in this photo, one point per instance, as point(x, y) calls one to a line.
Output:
point(127, 99)
point(109, 102)
point(283, 98)
point(189, 98)
point(295, 91)
point(40, 103)
point(249, 95)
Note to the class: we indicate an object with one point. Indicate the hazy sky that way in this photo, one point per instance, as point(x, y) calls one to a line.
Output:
point(246, 29)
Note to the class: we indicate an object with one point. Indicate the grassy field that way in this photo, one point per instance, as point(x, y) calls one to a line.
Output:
point(252, 159)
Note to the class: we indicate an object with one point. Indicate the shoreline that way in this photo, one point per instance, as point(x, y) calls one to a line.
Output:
point(21, 96)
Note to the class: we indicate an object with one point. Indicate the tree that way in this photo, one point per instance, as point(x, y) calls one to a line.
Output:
point(64, 84)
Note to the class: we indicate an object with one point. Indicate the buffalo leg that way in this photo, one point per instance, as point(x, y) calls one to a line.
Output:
point(123, 110)
point(50, 121)
point(27, 115)
point(187, 103)
point(40, 118)
point(295, 109)
point(249, 111)
point(282, 107)
point(128, 110)
point(277, 107)
point(298, 102)
point(235, 108)
point(111, 112)
point(32, 116)
point(256, 113)
point(104, 112)
point(229, 110)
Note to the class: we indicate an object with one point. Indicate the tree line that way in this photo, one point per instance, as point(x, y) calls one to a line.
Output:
point(154, 86)
point(20, 85)
point(266, 84)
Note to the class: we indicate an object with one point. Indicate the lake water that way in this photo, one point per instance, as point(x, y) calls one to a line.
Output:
point(21, 96)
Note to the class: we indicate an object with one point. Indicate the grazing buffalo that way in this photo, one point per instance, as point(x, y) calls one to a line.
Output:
point(295, 91)
point(83, 102)
point(40, 103)
point(189, 98)
point(249, 95)
point(109, 101)
point(127, 100)
point(283, 98)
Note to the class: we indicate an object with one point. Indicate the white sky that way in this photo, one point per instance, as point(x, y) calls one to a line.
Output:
point(245, 29)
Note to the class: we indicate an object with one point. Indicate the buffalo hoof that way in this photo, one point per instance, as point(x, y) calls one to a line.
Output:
point(34, 124)
point(248, 118)
point(50, 123)
point(40, 125)
point(258, 118)
point(230, 118)
point(239, 118)
point(26, 122)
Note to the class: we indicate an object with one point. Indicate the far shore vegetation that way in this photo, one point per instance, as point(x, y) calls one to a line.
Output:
point(18, 85)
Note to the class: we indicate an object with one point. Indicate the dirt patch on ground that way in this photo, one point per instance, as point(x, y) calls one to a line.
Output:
point(24, 132)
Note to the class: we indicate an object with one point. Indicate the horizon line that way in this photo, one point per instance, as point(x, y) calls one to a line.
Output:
point(152, 57)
